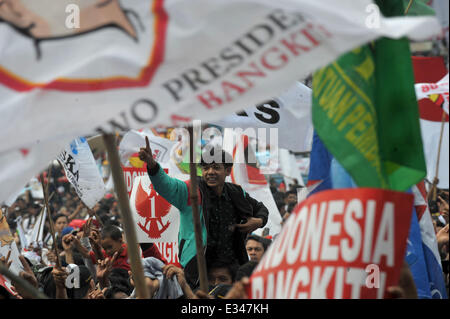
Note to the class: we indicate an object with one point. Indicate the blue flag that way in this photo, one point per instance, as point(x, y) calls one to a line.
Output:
point(416, 260)
point(319, 166)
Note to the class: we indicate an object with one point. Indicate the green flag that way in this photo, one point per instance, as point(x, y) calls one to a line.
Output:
point(418, 8)
point(365, 112)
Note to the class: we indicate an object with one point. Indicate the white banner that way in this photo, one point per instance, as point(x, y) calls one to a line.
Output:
point(290, 113)
point(8, 246)
point(289, 168)
point(37, 232)
point(82, 172)
point(84, 68)
point(18, 167)
point(431, 132)
point(442, 7)
point(426, 90)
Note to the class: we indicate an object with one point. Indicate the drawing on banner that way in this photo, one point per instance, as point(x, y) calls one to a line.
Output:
point(152, 207)
point(42, 28)
point(28, 19)
point(157, 221)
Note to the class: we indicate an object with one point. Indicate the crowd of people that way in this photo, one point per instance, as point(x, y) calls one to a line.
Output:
point(94, 240)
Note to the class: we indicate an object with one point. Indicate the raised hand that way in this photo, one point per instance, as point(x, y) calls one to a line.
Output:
point(5, 260)
point(104, 269)
point(95, 240)
point(443, 207)
point(97, 294)
point(60, 276)
point(77, 244)
point(146, 155)
point(87, 227)
point(67, 242)
point(27, 273)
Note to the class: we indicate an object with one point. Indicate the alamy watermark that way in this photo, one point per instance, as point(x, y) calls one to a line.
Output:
point(373, 277)
point(73, 17)
point(373, 19)
point(240, 145)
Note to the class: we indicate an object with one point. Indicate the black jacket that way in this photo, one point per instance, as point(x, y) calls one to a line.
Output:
point(245, 207)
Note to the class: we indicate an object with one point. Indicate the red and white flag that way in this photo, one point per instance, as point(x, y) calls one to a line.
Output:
point(432, 259)
point(431, 109)
point(84, 67)
point(248, 175)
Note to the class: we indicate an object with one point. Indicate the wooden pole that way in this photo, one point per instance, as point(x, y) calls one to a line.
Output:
point(50, 220)
point(127, 219)
point(409, 6)
point(41, 221)
point(433, 190)
point(201, 262)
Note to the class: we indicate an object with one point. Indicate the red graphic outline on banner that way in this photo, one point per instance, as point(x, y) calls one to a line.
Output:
point(17, 83)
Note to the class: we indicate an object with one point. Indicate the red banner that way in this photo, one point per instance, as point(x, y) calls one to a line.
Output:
point(338, 244)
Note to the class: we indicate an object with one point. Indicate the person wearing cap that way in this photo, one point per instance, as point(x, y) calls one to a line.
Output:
point(227, 212)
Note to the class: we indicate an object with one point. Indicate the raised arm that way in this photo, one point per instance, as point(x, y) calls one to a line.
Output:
point(171, 189)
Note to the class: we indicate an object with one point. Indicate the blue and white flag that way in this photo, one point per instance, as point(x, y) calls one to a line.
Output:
point(433, 268)
point(82, 171)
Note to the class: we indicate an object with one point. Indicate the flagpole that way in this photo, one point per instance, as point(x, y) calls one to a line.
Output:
point(409, 6)
point(201, 262)
point(52, 227)
point(40, 225)
point(127, 220)
point(433, 190)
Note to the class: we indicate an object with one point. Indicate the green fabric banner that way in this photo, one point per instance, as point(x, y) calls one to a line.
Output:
point(419, 8)
point(365, 112)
